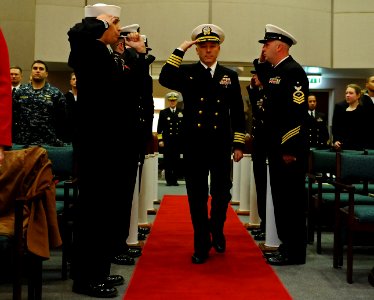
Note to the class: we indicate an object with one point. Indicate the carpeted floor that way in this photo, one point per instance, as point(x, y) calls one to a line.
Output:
point(165, 270)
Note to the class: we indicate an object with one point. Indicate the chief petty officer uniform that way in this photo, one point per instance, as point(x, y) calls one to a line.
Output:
point(214, 124)
point(317, 130)
point(286, 109)
point(169, 130)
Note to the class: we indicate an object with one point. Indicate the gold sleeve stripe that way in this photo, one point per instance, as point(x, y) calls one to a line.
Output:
point(159, 136)
point(174, 60)
point(290, 134)
point(239, 137)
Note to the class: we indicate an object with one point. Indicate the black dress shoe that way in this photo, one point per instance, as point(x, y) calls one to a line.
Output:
point(123, 259)
point(144, 230)
point(141, 236)
point(282, 260)
point(113, 280)
point(97, 290)
point(260, 236)
point(219, 245)
point(176, 184)
point(270, 254)
point(199, 258)
point(256, 231)
point(133, 252)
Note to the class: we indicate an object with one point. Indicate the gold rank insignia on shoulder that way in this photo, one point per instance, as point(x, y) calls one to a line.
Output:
point(298, 95)
point(225, 81)
point(275, 80)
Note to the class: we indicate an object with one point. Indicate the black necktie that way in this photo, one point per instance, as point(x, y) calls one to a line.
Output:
point(208, 70)
point(13, 91)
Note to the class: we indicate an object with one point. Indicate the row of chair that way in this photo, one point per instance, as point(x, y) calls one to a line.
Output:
point(340, 193)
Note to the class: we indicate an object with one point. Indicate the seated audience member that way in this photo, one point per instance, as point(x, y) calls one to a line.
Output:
point(38, 110)
point(348, 121)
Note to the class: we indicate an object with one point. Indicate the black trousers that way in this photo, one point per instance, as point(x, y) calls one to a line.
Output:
point(260, 173)
point(212, 158)
point(171, 160)
point(103, 210)
point(289, 198)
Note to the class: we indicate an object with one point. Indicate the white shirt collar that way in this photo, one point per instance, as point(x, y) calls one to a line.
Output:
point(212, 68)
point(281, 61)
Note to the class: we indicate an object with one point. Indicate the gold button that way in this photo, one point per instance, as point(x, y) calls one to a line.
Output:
point(216, 113)
point(200, 112)
point(215, 127)
point(202, 99)
point(199, 125)
point(218, 101)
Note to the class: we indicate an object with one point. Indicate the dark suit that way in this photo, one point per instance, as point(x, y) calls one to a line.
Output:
point(286, 87)
point(169, 129)
point(214, 123)
point(317, 130)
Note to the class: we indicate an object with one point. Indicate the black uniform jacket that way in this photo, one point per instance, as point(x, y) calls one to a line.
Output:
point(212, 106)
point(317, 130)
point(286, 108)
point(169, 124)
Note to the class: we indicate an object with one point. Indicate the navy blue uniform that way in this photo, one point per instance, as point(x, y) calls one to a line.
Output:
point(286, 110)
point(214, 124)
point(169, 129)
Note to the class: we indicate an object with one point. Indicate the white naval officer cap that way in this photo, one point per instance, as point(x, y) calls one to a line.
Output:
point(130, 28)
point(208, 33)
point(172, 96)
point(273, 32)
point(102, 8)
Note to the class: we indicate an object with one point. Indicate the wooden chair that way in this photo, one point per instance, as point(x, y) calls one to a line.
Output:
point(357, 215)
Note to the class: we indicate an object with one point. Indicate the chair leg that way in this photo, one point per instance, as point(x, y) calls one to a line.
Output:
point(338, 246)
point(349, 257)
point(35, 269)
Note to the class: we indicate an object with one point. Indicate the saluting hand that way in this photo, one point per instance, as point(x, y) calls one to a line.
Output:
point(186, 45)
point(136, 41)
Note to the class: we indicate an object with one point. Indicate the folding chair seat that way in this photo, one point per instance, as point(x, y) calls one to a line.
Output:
point(352, 217)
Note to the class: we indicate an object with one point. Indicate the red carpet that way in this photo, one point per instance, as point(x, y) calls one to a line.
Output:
point(165, 271)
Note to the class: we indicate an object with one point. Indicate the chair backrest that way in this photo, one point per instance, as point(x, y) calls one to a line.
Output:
point(352, 167)
point(322, 161)
point(62, 161)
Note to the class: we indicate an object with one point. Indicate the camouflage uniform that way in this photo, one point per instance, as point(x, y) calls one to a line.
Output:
point(38, 115)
